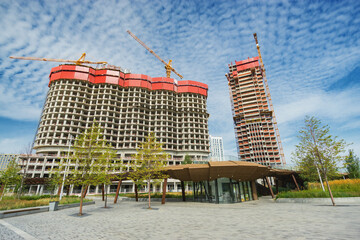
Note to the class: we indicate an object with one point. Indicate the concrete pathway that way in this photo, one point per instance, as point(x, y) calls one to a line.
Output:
point(261, 219)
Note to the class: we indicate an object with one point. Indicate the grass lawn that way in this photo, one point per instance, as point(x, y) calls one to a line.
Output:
point(339, 188)
point(8, 203)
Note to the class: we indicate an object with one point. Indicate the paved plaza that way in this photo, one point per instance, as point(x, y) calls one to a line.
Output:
point(261, 219)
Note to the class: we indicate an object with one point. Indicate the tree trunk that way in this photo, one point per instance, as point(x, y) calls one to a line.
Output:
point(136, 193)
point(102, 192)
point(328, 186)
point(2, 191)
point(20, 188)
point(59, 191)
point(149, 193)
point(81, 200)
point(105, 196)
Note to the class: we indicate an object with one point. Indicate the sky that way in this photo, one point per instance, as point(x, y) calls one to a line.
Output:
point(311, 52)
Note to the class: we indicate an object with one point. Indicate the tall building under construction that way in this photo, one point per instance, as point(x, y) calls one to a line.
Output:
point(127, 107)
point(258, 139)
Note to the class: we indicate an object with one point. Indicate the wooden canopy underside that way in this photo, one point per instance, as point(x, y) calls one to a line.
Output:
point(236, 170)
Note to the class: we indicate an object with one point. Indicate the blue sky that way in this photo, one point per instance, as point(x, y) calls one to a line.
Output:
point(311, 51)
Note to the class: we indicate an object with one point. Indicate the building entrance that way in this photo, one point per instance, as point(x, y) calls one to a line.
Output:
point(222, 190)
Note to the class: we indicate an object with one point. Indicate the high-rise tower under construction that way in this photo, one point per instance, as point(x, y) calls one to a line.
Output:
point(255, 126)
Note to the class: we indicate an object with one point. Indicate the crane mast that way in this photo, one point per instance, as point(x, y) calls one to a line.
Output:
point(270, 103)
point(168, 66)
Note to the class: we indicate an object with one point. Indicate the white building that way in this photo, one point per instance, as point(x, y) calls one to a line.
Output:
point(216, 149)
point(127, 107)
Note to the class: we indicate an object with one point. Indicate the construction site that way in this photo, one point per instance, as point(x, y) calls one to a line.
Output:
point(129, 106)
point(256, 131)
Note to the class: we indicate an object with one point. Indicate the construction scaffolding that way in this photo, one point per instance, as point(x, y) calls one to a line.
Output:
point(253, 119)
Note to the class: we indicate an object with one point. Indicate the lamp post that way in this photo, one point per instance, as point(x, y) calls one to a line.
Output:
point(66, 168)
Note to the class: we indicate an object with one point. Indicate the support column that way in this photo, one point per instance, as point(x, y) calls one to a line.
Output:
point(164, 191)
point(175, 187)
point(183, 191)
point(277, 185)
point(216, 192)
point(71, 189)
point(97, 189)
point(37, 190)
point(297, 186)
point(117, 191)
point(254, 191)
point(41, 189)
point(271, 191)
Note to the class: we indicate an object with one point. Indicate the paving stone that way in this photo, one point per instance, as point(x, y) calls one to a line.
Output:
point(261, 219)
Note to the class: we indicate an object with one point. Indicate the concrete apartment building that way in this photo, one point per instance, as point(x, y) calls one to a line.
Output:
point(257, 140)
point(216, 149)
point(5, 159)
point(127, 107)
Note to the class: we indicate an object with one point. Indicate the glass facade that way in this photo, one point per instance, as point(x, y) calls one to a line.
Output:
point(222, 190)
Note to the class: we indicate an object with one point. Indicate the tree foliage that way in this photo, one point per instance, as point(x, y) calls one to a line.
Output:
point(92, 157)
point(24, 162)
point(352, 165)
point(111, 169)
point(10, 176)
point(187, 160)
point(318, 149)
point(149, 162)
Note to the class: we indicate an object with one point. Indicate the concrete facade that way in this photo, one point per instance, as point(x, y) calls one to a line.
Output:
point(127, 108)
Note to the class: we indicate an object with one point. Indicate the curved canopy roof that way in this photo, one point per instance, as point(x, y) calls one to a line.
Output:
point(236, 170)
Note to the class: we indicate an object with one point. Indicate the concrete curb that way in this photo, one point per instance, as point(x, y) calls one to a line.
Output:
point(319, 200)
point(32, 210)
point(154, 199)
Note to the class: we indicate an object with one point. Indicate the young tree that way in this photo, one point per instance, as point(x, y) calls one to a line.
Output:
point(187, 160)
point(10, 176)
point(88, 150)
point(138, 180)
point(149, 162)
point(317, 147)
point(352, 165)
point(109, 166)
point(24, 159)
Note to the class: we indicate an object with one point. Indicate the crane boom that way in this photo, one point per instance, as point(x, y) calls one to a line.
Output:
point(81, 60)
point(270, 103)
point(168, 66)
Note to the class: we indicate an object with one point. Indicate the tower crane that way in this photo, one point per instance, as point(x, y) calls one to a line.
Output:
point(168, 66)
point(270, 102)
point(80, 61)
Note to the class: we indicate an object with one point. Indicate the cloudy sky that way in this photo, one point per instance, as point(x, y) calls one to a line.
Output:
point(311, 51)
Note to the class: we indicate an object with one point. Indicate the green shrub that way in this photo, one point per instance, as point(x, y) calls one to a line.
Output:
point(316, 193)
point(35, 201)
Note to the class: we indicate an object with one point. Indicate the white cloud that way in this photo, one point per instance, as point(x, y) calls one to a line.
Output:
point(306, 47)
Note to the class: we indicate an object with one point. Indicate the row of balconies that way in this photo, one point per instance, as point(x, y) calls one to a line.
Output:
point(119, 92)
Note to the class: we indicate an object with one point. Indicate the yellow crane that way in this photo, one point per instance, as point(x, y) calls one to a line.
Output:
point(80, 61)
point(168, 66)
point(270, 102)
